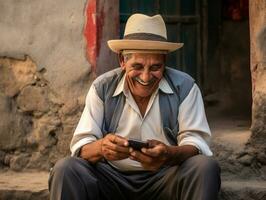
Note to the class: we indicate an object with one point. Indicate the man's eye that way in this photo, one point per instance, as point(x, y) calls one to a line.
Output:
point(155, 67)
point(137, 67)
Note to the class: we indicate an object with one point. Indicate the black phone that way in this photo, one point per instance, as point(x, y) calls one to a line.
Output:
point(137, 144)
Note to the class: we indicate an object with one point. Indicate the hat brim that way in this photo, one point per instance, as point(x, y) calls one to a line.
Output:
point(119, 45)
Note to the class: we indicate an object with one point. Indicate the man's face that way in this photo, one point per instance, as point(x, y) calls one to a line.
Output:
point(143, 73)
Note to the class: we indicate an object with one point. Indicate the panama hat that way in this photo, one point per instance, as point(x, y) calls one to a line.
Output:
point(143, 32)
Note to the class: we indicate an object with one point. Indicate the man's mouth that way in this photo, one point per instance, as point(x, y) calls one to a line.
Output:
point(143, 82)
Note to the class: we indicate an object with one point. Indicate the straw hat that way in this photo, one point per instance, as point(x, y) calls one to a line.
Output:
point(143, 32)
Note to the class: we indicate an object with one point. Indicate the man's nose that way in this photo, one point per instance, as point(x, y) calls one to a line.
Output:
point(145, 76)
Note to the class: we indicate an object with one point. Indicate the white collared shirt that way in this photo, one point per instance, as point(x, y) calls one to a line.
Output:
point(193, 125)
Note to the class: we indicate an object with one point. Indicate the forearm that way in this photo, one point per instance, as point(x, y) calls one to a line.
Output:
point(92, 151)
point(178, 154)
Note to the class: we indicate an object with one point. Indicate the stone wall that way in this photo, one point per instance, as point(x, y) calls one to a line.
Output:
point(44, 77)
point(45, 74)
point(36, 124)
point(258, 70)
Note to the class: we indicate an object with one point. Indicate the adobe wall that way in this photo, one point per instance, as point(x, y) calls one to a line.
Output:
point(258, 71)
point(45, 74)
point(51, 33)
point(44, 77)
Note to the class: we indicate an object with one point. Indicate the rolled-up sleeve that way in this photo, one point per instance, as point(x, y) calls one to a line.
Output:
point(193, 126)
point(89, 126)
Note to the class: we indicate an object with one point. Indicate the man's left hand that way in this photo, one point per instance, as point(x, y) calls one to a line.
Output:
point(151, 158)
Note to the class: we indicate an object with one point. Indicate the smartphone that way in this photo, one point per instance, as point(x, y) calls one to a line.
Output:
point(137, 144)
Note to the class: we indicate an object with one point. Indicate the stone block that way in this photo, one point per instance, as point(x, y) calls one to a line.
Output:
point(33, 99)
point(16, 74)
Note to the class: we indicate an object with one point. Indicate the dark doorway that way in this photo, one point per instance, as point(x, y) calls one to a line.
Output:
point(227, 83)
point(216, 47)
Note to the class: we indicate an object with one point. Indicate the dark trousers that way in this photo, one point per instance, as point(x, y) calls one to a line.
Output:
point(72, 178)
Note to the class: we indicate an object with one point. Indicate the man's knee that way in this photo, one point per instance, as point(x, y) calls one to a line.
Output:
point(202, 165)
point(206, 164)
point(68, 167)
point(72, 178)
point(65, 164)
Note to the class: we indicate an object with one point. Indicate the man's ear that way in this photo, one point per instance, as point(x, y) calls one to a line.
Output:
point(121, 60)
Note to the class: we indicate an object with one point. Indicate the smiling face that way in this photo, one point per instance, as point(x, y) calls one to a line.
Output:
point(143, 73)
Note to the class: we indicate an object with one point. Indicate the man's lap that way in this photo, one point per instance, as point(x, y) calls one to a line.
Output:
point(114, 184)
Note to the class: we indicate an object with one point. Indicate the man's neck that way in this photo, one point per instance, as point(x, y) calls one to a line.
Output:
point(142, 103)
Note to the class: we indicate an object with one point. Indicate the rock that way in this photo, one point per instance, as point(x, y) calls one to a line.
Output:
point(246, 160)
point(2, 159)
point(33, 99)
point(12, 125)
point(19, 162)
point(262, 158)
point(16, 74)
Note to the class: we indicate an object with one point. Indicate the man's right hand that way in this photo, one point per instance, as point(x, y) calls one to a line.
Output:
point(114, 147)
point(111, 147)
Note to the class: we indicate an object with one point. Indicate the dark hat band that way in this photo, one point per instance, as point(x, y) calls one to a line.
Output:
point(144, 36)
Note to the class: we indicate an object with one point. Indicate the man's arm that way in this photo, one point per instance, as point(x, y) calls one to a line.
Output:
point(193, 125)
point(88, 129)
point(88, 139)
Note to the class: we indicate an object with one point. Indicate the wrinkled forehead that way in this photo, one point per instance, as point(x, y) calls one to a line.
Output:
point(145, 58)
point(140, 56)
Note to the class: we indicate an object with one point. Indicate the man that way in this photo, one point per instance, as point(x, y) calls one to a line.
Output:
point(144, 100)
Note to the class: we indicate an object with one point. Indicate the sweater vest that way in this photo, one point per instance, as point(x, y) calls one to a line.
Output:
point(180, 82)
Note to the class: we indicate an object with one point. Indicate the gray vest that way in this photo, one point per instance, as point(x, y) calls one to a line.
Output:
point(179, 82)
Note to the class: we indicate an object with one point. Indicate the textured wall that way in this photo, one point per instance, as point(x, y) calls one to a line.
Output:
point(51, 33)
point(36, 123)
point(258, 69)
point(44, 77)
point(45, 74)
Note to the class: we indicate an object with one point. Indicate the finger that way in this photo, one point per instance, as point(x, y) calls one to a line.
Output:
point(115, 147)
point(157, 151)
point(153, 143)
point(113, 155)
point(138, 156)
point(116, 139)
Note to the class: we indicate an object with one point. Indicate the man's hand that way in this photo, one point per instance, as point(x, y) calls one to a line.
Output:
point(151, 158)
point(159, 154)
point(111, 147)
point(114, 147)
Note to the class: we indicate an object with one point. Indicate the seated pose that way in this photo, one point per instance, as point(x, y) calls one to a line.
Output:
point(142, 100)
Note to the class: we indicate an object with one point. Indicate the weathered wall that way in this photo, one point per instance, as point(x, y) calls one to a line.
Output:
point(44, 77)
point(36, 124)
point(102, 24)
point(107, 59)
point(51, 33)
point(258, 69)
point(45, 74)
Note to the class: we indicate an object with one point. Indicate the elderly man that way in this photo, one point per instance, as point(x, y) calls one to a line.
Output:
point(147, 101)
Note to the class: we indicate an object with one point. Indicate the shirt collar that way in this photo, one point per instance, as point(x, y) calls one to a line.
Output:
point(165, 87)
point(121, 87)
